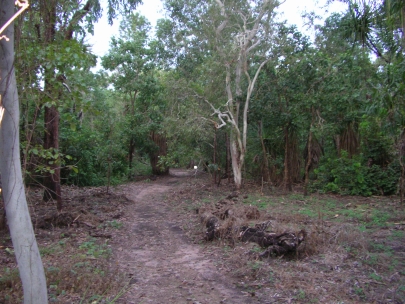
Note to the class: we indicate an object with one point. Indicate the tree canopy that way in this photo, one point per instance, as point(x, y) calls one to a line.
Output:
point(222, 84)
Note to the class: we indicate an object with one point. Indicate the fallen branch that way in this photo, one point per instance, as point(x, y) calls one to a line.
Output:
point(227, 220)
point(276, 244)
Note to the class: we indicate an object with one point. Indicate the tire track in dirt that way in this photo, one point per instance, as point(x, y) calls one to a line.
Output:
point(164, 265)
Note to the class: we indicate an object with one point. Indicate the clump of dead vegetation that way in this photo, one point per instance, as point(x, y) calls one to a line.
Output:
point(228, 220)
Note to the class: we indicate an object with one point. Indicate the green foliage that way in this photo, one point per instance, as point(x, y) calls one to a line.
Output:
point(383, 181)
point(93, 249)
point(352, 176)
point(342, 175)
point(115, 224)
point(163, 84)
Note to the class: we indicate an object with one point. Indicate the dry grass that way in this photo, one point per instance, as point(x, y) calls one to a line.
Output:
point(75, 273)
point(78, 267)
point(352, 252)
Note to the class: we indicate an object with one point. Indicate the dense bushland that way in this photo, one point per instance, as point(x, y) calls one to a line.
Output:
point(327, 113)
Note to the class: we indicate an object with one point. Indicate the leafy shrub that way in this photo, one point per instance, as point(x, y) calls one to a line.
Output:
point(383, 181)
point(342, 175)
point(352, 176)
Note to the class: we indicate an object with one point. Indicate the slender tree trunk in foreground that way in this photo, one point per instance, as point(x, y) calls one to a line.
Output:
point(18, 217)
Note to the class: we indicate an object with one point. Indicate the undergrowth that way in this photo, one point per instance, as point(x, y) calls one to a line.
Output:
point(75, 274)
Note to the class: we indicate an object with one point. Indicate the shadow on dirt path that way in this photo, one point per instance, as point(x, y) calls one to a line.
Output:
point(164, 266)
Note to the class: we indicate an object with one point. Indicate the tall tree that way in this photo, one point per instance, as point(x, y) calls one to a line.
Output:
point(18, 217)
point(380, 26)
point(238, 35)
point(132, 60)
point(59, 24)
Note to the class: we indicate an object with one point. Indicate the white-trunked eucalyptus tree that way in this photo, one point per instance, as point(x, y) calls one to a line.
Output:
point(18, 217)
point(238, 33)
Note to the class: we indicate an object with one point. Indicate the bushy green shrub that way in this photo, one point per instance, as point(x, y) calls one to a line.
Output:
point(383, 181)
point(352, 176)
point(342, 175)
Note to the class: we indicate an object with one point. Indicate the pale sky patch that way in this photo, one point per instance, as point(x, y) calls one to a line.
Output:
point(291, 11)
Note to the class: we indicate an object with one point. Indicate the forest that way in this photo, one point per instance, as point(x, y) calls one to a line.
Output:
point(225, 88)
point(221, 85)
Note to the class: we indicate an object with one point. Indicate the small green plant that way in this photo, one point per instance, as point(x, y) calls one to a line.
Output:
point(49, 250)
point(397, 234)
point(377, 246)
point(359, 291)
point(8, 277)
point(380, 218)
point(257, 249)
point(296, 196)
point(255, 265)
point(115, 224)
point(352, 213)
point(308, 212)
point(372, 259)
point(301, 295)
point(362, 228)
point(95, 249)
point(375, 276)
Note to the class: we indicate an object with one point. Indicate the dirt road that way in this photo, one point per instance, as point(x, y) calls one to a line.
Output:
point(164, 265)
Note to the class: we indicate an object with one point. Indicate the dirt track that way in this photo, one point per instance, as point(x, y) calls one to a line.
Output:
point(164, 265)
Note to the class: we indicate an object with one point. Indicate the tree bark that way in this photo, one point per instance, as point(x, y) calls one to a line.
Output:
point(214, 158)
point(51, 115)
point(266, 170)
point(51, 140)
point(18, 218)
point(309, 153)
point(228, 158)
point(309, 160)
point(287, 176)
point(161, 143)
point(237, 158)
point(131, 151)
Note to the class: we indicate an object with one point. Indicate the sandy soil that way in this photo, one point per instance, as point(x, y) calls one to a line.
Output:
point(165, 266)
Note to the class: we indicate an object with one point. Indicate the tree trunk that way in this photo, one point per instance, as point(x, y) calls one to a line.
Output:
point(131, 152)
point(266, 170)
point(51, 141)
point(309, 153)
point(228, 158)
point(51, 116)
point(131, 148)
point(237, 161)
point(161, 143)
point(51, 138)
point(15, 202)
point(214, 159)
point(401, 155)
point(287, 177)
point(309, 160)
